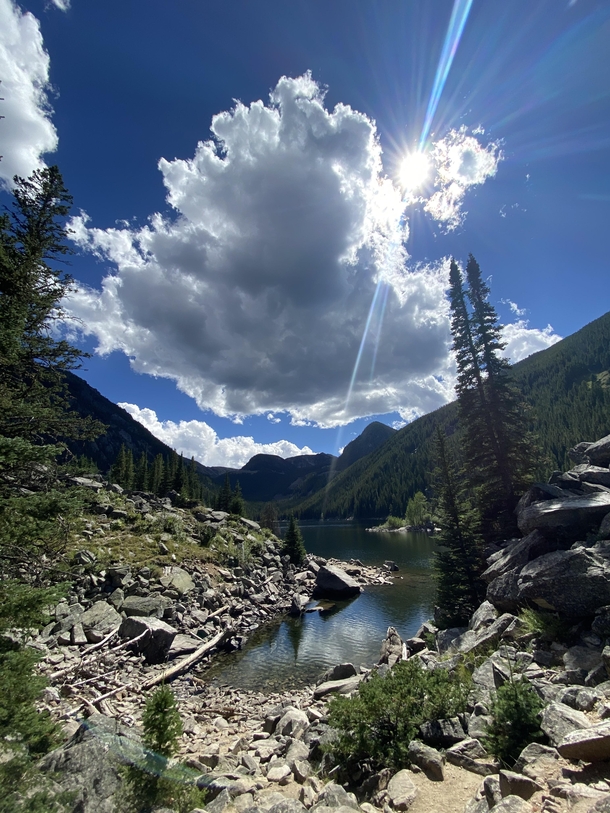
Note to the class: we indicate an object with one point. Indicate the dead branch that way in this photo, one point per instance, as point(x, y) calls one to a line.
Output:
point(186, 663)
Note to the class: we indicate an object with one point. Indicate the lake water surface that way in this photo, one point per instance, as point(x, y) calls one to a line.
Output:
point(294, 652)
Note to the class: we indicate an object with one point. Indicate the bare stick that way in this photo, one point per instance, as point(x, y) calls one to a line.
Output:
point(217, 612)
point(101, 643)
point(186, 663)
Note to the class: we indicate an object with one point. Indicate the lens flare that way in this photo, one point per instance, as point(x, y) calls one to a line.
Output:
point(459, 15)
point(414, 171)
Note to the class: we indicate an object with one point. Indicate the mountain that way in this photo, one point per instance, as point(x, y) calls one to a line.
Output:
point(268, 477)
point(372, 437)
point(122, 429)
point(567, 386)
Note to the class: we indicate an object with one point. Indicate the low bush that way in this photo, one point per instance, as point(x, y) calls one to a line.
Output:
point(546, 624)
point(515, 722)
point(375, 726)
point(155, 781)
point(394, 522)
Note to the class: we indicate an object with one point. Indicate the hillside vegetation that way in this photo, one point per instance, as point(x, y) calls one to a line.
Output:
point(567, 386)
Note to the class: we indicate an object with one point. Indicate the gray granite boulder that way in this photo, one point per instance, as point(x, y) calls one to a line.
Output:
point(99, 620)
point(590, 744)
point(401, 790)
point(154, 606)
point(157, 637)
point(598, 453)
point(332, 582)
point(559, 720)
point(428, 759)
point(574, 582)
point(571, 518)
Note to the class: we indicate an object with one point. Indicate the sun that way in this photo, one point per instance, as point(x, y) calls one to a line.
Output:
point(414, 171)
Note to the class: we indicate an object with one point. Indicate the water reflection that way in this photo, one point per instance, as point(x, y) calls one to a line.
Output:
point(295, 652)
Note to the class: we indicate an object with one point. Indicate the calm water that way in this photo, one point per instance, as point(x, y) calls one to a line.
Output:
point(294, 652)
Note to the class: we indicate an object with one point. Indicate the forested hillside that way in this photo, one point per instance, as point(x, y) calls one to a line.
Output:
point(567, 386)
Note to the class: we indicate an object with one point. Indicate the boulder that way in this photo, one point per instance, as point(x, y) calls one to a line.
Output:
point(594, 474)
point(513, 804)
point(516, 784)
point(401, 791)
point(428, 759)
point(601, 622)
point(559, 720)
point(483, 616)
point(391, 647)
point(571, 518)
point(470, 641)
point(157, 637)
point(442, 732)
point(574, 582)
point(101, 618)
point(153, 606)
point(346, 686)
point(503, 592)
point(589, 744)
point(332, 582)
point(340, 672)
point(291, 722)
point(598, 453)
point(519, 553)
point(176, 578)
point(87, 767)
point(472, 756)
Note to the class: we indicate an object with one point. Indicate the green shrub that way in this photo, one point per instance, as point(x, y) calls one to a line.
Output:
point(515, 721)
point(394, 522)
point(376, 725)
point(155, 781)
point(546, 624)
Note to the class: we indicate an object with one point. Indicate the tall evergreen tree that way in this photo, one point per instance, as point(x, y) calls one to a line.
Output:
point(140, 478)
point(223, 502)
point(459, 561)
point(157, 475)
point(293, 543)
point(237, 505)
point(496, 445)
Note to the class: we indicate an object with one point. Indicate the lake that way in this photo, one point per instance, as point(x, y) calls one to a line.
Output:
point(294, 652)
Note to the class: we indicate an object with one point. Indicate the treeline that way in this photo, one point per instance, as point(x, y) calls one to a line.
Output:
point(567, 387)
point(162, 475)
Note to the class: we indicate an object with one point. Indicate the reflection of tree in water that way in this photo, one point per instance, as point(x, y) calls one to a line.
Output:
point(294, 628)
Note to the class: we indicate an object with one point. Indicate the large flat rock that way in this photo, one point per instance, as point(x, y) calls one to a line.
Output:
point(572, 517)
point(332, 582)
point(590, 744)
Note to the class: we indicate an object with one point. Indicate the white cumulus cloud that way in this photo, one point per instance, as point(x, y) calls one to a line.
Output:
point(254, 295)
point(197, 439)
point(26, 131)
point(522, 340)
point(460, 161)
point(62, 5)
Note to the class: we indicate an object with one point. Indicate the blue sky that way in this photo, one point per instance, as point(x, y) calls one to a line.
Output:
point(260, 267)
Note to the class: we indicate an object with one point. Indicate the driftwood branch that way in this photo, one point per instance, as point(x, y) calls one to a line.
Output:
point(186, 663)
point(100, 644)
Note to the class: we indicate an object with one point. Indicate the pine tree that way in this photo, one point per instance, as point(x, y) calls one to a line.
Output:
point(459, 561)
point(36, 509)
point(269, 519)
point(129, 471)
point(293, 543)
point(157, 475)
point(497, 448)
point(505, 478)
point(223, 502)
point(140, 479)
point(237, 505)
point(117, 470)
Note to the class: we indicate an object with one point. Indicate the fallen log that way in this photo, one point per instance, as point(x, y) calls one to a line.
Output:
point(186, 663)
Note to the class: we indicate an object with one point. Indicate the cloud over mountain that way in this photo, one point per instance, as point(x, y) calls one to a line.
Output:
point(197, 439)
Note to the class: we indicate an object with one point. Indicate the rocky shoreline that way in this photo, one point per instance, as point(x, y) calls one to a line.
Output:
point(266, 753)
